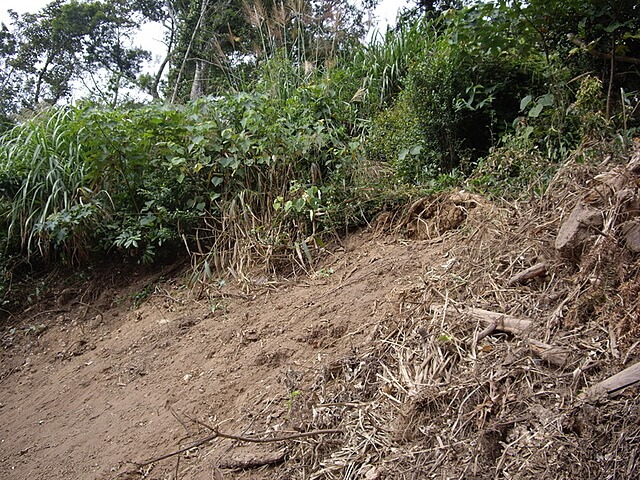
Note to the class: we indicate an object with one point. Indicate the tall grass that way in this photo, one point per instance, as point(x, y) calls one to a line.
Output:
point(385, 62)
point(44, 171)
point(244, 179)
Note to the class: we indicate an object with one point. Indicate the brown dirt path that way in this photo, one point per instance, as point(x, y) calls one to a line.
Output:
point(377, 345)
point(90, 393)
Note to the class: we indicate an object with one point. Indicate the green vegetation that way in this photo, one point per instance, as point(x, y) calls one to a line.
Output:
point(301, 130)
point(90, 179)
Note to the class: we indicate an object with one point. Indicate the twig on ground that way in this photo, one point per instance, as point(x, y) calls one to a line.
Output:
point(218, 434)
point(531, 272)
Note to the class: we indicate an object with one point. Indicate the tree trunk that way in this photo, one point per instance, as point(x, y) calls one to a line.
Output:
point(197, 87)
point(153, 88)
point(203, 10)
point(43, 70)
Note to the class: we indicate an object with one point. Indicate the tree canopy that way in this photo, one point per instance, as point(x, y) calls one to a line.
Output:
point(220, 43)
point(44, 53)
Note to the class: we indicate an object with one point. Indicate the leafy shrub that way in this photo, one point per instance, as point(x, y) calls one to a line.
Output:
point(463, 86)
point(514, 170)
point(466, 88)
point(396, 138)
point(145, 180)
point(550, 127)
point(436, 86)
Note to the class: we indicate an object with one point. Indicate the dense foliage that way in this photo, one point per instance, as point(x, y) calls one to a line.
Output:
point(482, 74)
point(85, 180)
point(298, 128)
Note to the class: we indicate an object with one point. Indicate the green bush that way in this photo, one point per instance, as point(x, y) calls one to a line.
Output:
point(144, 180)
point(462, 91)
point(396, 138)
point(514, 170)
point(549, 127)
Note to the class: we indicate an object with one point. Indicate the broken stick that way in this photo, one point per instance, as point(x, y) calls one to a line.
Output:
point(502, 321)
point(253, 461)
point(531, 272)
point(558, 356)
point(613, 385)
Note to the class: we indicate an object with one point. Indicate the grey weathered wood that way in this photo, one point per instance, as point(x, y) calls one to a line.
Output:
point(502, 321)
point(615, 384)
point(558, 356)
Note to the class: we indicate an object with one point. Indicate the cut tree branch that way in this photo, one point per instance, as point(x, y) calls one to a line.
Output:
point(494, 321)
point(253, 461)
point(615, 384)
point(531, 272)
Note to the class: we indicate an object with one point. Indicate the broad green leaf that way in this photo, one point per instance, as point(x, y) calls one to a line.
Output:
point(524, 103)
point(415, 150)
point(546, 100)
point(536, 110)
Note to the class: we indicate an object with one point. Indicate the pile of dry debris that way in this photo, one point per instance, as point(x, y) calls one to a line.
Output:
point(518, 359)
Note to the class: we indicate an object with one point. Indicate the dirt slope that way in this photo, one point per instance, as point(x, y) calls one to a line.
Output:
point(89, 393)
point(377, 349)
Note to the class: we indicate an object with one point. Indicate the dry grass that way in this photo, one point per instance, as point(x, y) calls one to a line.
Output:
point(428, 400)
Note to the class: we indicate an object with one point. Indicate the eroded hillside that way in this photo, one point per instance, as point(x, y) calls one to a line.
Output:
point(414, 350)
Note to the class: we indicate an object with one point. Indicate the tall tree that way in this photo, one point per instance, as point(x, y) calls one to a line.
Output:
point(8, 86)
point(68, 41)
point(219, 41)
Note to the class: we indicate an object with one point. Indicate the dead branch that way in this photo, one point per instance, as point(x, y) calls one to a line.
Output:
point(558, 356)
point(218, 434)
point(531, 272)
point(596, 53)
point(484, 333)
point(90, 307)
point(502, 321)
point(615, 384)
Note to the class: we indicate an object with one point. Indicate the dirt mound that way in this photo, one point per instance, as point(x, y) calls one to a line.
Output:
point(452, 340)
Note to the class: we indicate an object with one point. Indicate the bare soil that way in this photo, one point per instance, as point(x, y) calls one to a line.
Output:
point(104, 375)
point(85, 390)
